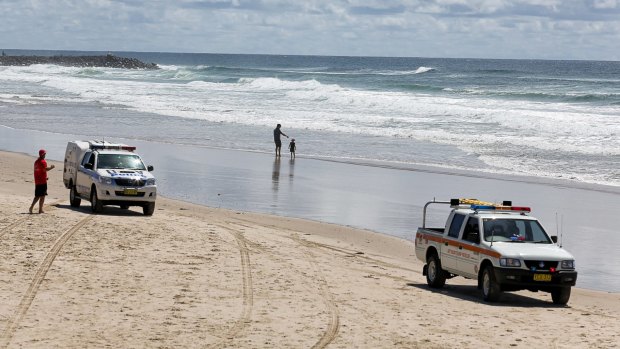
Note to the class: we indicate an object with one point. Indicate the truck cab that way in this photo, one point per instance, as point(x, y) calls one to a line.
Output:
point(499, 245)
point(108, 174)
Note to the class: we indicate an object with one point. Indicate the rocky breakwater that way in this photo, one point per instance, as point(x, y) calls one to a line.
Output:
point(108, 61)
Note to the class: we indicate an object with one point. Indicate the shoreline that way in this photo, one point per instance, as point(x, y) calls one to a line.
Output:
point(197, 276)
point(384, 164)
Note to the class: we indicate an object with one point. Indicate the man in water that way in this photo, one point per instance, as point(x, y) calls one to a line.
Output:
point(276, 138)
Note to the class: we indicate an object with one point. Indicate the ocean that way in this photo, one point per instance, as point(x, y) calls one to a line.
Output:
point(549, 119)
point(377, 137)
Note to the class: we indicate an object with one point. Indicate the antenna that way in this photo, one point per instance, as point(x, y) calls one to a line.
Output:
point(561, 229)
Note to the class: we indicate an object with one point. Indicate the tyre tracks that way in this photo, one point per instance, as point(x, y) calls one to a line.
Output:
point(23, 219)
point(333, 324)
point(27, 299)
point(247, 289)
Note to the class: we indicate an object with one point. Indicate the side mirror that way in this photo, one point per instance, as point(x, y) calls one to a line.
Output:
point(149, 168)
point(88, 166)
point(554, 238)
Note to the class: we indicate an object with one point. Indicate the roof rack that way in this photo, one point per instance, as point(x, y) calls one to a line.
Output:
point(479, 205)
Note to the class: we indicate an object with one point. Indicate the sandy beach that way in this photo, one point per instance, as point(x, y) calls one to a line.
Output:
point(192, 276)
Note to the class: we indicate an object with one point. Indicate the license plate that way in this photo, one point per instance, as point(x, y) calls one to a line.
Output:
point(128, 191)
point(542, 277)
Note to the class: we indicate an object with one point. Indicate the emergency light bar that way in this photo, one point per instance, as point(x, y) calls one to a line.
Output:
point(479, 205)
point(500, 208)
point(112, 147)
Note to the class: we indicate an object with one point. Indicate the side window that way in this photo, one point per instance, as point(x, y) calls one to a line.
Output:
point(472, 230)
point(92, 159)
point(455, 226)
point(89, 158)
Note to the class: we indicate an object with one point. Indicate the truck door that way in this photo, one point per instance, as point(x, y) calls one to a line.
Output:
point(468, 255)
point(85, 173)
point(449, 247)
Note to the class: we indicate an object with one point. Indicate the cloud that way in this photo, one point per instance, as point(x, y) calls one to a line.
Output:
point(448, 28)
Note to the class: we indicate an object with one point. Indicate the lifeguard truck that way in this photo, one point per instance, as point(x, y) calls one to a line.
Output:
point(107, 173)
point(500, 246)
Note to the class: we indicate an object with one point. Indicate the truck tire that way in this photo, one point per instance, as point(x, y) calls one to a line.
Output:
point(148, 208)
point(435, 276)
point(95, 204)
point(490, 289)
point(74, 199)
point(560, 295)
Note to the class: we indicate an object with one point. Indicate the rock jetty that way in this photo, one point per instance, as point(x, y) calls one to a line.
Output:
point(108, 61)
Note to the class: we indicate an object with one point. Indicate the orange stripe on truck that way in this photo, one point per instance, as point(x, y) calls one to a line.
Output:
point(442, 240)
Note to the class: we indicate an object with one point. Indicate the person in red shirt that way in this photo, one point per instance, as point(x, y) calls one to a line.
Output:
point(40, 180)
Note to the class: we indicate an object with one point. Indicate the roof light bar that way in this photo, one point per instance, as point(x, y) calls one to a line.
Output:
point(479, 205)
point(112, 147)
point(500, 208)
point(482, 207)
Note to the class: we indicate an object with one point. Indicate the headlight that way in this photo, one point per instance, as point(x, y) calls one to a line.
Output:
point(150, 181)
point(509, 262)
point(568, 264)
point(106, 180)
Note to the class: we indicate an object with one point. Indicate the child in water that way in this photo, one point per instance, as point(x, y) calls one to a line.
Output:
point(291, 147)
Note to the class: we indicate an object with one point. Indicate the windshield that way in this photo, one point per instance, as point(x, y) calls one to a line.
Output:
point(514, 230)
point(120, 161)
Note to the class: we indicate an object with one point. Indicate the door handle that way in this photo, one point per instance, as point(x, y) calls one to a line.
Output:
point(445, 243)
point(460, 247)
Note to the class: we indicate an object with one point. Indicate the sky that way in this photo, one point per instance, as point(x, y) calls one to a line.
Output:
point(530, 29)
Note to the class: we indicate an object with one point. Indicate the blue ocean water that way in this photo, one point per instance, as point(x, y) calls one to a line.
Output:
point(550, 119)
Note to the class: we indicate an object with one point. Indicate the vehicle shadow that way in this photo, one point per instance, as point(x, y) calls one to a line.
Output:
point(107, 210)
point(472, 294)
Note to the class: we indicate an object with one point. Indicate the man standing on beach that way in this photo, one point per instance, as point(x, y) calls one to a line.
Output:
point(276, 138)
point(40, 180)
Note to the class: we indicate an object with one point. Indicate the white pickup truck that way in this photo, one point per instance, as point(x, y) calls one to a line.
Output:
point(500, 246)
point(108, 174)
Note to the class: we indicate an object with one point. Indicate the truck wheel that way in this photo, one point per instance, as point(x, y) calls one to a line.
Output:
point(560, 295)
point(435, 276)
point(148, 209)
point(490, 288)
point(95, 204)
point(74, 199)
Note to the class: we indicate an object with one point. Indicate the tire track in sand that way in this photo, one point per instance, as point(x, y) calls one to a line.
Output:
point(27, 299)
point(334, 320)
point(23, 219)
point(248, 290)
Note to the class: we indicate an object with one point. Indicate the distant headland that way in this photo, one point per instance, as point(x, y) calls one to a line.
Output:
point(107, 61)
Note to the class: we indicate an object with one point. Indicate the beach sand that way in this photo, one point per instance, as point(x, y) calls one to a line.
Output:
point(197, 277)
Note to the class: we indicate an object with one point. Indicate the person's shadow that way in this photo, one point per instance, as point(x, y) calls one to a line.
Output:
point(275, 175)
point(291, 170)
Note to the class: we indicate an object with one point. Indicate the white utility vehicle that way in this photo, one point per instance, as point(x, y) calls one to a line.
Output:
point(497, 244)
point(108, 174)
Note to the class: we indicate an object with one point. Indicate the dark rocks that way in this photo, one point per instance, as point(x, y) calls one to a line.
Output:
point(108, 61)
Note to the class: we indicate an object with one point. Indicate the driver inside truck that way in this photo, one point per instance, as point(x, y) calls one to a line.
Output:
point(512, 231)
point(492, 229)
